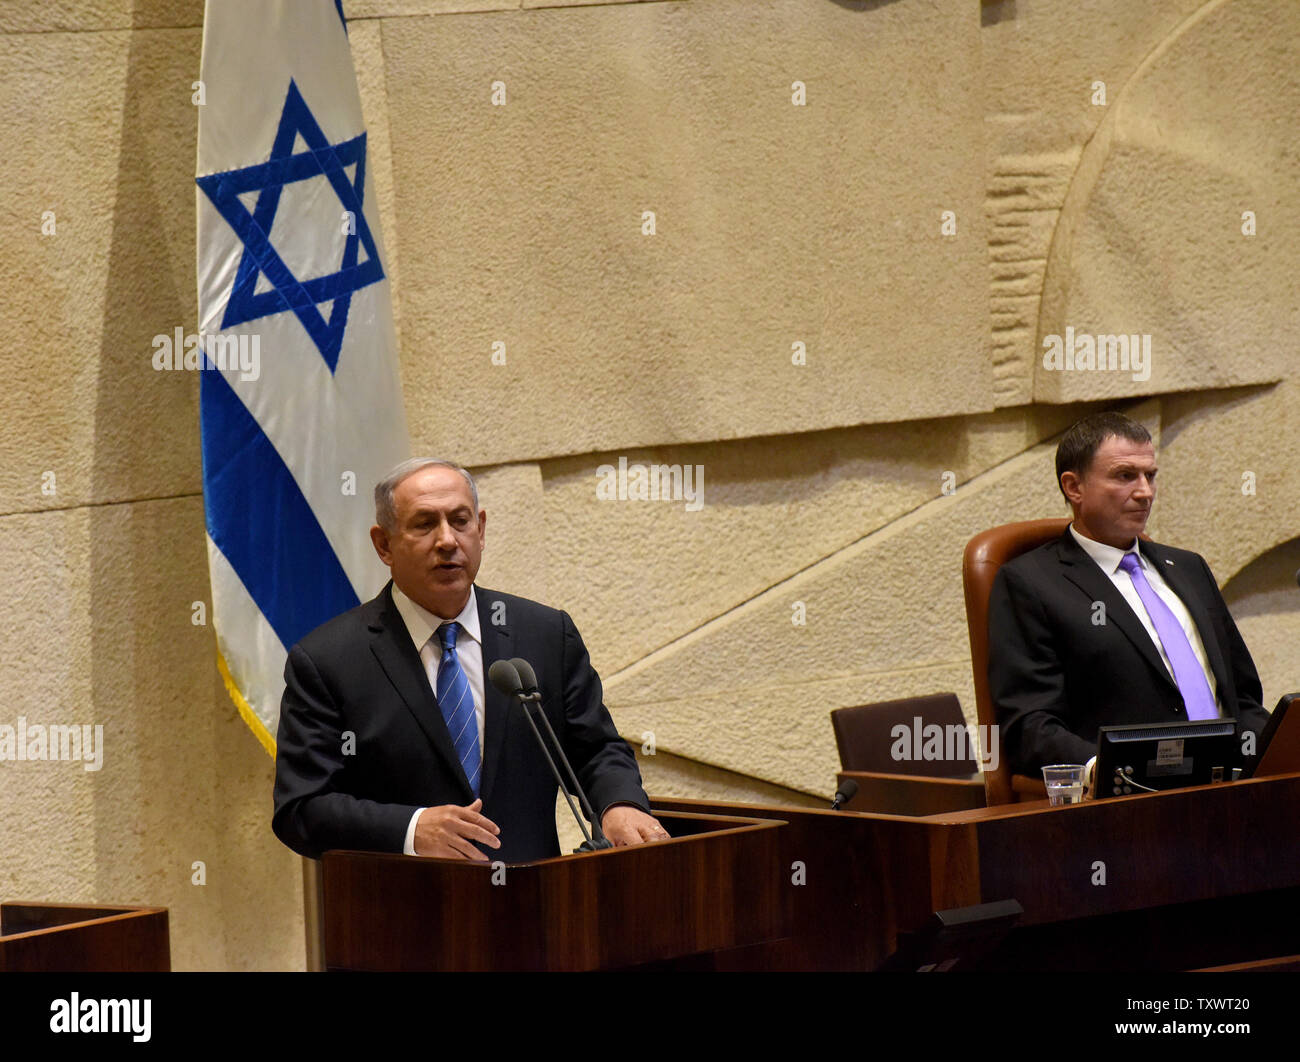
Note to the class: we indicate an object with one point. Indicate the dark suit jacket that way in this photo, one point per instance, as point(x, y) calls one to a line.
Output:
point(1056, 677)
point(361, 673)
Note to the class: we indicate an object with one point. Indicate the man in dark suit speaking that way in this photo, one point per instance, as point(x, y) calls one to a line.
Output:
point(1100, 627)
point(391, 740)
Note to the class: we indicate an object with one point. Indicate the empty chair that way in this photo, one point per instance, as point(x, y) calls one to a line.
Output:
point(868, 741)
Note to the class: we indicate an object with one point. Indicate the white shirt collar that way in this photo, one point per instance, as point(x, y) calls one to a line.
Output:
point(1107, 557)
point(422, 624)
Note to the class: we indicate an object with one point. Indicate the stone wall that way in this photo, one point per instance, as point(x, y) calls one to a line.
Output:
point(910, 198)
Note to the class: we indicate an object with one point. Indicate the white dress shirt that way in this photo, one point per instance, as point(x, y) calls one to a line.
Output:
point(423, 626)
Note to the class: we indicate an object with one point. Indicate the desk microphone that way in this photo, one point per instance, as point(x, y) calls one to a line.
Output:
point(506, 677)
point(844, 794)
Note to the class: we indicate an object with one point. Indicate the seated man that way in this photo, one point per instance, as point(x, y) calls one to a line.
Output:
point(390, 740)
point(1099, 627)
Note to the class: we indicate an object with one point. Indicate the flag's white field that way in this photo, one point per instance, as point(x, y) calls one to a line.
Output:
point(282, 450)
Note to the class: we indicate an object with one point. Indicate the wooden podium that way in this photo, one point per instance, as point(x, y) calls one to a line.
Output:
point(712, 887)
point(83, 938)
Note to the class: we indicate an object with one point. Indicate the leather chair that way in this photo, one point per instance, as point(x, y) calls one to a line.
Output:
point(863, 736)
point(985, 554)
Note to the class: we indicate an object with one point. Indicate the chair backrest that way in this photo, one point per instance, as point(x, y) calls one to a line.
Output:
point(985, 554)
point(864, 735)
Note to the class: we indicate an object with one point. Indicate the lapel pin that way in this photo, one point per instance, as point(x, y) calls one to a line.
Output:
point(1169, 562)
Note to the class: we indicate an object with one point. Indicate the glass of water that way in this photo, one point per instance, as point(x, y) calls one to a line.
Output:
point(1064, 783)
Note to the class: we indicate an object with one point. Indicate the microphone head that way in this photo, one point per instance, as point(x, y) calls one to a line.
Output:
point(847, 791)
point(504, 677)
point(527, 675)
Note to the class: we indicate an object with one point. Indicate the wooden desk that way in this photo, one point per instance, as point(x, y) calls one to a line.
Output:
point(1156, 849)
point(911, 794)
point(83, 938)
point(1196, 877)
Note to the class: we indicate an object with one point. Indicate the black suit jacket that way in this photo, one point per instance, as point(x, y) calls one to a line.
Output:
point(1056, 677)
point(360, 673)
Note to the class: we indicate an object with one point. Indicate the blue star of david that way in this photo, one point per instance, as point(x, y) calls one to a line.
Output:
point(254, 229)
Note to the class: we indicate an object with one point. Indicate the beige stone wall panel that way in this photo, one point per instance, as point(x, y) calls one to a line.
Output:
point(1150, 236)
point(102, 132)
point(97, 629)
point(775, 223)
point(516, 554)
point(1040, 63)
point(751, 691)
point(82, 16)
point(366, 40)
point(1210, 443)
point(637, 575)
point(1265, 602)
point(377, 9)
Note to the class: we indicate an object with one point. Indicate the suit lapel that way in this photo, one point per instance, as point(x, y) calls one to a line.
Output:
point(498, 644)
point(391, 643)
point(1180, 581)
point(1083, 571)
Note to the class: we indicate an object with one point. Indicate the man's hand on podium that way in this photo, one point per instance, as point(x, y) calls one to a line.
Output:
point(446, 831)
point(624, 824)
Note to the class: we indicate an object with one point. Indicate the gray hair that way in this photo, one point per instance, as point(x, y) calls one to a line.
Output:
point(385, 513)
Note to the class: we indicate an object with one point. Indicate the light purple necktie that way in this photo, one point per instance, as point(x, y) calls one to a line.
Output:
point(1188, 672)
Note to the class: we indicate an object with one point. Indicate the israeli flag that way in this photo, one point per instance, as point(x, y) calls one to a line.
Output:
point(300, 395)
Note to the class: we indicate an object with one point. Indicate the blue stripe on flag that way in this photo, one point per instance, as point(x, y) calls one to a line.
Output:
point(262, 523)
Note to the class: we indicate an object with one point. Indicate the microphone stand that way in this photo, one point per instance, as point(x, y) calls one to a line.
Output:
point(590, 844)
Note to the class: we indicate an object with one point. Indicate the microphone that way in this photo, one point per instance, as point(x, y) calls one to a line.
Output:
point(527, 676)
point(844, 794)
point(505, 676)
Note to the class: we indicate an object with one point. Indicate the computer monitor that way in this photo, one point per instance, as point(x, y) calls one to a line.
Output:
point(1153, 757)
point(1284, 759)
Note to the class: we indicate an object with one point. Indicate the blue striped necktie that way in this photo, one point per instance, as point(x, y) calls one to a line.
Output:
point(457, 704)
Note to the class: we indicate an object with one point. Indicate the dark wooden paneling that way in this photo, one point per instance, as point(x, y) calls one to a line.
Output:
point(1176, 847)
point(872, 876)
point(847, 913)
point(78, 938)
point(898, 794)
point(704, 890)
